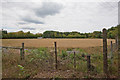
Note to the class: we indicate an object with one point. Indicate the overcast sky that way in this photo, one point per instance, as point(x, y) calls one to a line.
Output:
point(59, 15)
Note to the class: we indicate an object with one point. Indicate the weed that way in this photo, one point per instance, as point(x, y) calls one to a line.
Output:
point(63, 54)
point(69, 49)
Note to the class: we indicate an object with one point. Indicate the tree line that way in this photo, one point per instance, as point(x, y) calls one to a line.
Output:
point(111, 34)
point(56, 34)
point(19, 35)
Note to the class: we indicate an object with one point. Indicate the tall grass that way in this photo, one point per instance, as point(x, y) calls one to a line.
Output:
point(41, 59)
point(13, 67)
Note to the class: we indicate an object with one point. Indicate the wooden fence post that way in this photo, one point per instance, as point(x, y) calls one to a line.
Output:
point(23, 51)
point(111, 55)
point(119, 51)
point(105, 64)
point(116, 42)
point(74, 60)
point(55, 55)
point(88, 63)
point(21, 54)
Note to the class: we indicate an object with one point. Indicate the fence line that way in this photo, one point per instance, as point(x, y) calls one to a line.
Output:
point(10, 47)
point(20, 48)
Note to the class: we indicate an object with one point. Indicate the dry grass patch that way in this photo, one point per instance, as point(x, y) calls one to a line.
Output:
point(62, 43)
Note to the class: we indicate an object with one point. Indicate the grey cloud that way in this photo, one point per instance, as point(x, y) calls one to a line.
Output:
point(22, 23)
point(48, 8)
point(27, 28)
point(30, 20)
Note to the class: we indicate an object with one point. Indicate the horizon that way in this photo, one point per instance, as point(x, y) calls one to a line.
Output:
point(52, 30)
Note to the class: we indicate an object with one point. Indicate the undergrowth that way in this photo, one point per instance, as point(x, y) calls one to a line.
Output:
point(41, 59)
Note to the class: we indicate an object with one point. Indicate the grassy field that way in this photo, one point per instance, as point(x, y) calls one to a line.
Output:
point(64, 43)
point(40, 59)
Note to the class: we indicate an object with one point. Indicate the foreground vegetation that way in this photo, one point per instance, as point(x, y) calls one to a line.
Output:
point(40, 63)
point(56, 34)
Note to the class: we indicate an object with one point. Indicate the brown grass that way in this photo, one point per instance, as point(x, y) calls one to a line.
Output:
point(63, 43)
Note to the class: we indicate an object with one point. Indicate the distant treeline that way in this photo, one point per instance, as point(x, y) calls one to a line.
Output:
point(19, 35)
point(55, 34)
